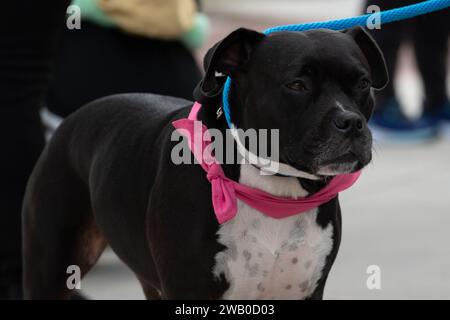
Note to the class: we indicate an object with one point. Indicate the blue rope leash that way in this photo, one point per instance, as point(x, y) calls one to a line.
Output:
point(388, 16)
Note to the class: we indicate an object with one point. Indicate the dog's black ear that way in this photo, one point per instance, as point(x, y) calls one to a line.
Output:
point(227, 57)
point(373, 54)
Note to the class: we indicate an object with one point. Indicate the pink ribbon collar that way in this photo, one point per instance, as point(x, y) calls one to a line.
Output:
point(225, 191)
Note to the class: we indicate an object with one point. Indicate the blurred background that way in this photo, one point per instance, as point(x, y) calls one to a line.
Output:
point(396, 217)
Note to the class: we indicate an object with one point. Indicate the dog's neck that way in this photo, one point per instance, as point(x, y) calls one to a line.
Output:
point(209, 116)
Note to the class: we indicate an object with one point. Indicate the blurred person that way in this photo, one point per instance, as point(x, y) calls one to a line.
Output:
point(29, 33)
point(429, 35)
point(123, 46)
point(127, 46)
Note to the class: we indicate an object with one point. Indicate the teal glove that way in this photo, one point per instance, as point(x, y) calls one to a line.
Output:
point(91, 11)
point(194, 38)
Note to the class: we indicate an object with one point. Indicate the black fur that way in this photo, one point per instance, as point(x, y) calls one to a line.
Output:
point(107, 177)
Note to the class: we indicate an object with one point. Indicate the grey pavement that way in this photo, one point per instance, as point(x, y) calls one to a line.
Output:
point(396, 217)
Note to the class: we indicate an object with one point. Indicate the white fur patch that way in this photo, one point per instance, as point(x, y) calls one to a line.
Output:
point(270, 258)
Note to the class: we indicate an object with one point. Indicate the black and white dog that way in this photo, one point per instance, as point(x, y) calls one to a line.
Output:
point(106, 177)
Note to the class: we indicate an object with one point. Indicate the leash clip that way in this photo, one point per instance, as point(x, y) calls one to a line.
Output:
point(219, 113)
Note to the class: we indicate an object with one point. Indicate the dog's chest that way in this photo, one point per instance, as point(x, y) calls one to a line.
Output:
point(268, 258)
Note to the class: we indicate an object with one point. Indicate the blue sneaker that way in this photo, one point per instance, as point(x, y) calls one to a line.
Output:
point(393, 124)
point(443, 117)
point(445, 114)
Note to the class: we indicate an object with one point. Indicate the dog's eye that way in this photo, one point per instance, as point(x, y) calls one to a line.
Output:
point(363, 84)
point(297, 86)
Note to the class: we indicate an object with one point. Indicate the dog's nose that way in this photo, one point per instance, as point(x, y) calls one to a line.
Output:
point(347, 122)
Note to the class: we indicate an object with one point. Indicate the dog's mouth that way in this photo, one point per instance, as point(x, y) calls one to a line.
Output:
point(348, 157)
point(347, 162)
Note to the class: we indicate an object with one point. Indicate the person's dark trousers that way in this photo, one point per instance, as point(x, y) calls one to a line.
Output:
point(430, 39)
point(94, 62)
point(429, 35)
point(29, 30)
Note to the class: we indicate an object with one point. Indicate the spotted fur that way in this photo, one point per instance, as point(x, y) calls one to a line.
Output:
point(268, 258)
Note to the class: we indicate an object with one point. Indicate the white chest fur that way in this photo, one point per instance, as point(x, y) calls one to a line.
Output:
point(270, 258)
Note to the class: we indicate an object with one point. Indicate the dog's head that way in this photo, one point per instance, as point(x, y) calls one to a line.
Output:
point(314, 86)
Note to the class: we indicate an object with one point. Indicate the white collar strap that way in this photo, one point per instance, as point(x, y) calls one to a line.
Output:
point(269, 167)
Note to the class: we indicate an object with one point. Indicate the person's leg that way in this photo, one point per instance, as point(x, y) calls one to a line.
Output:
point(389, 38)
point(28, 33)
point(431, 33)
point(389, 121)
